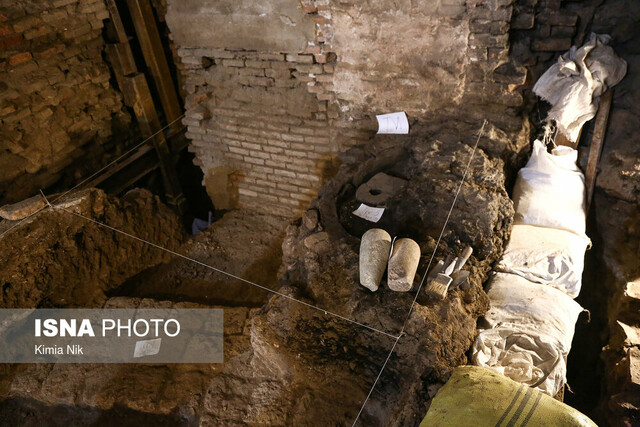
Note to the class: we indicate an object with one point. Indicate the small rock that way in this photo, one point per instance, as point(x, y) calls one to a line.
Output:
point(310, 219)
point(317, 241)
point(22, 209)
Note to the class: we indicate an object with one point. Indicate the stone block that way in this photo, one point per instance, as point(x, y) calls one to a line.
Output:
point(233, 62)
point(257, 72)
point(554, 17)
point(523, 21)
point(20, 58)
point(257, 64)
point(310, 68)
point(271, 56)
point(5, 30)
point(303, 59)
point(26, 23)
point(558, 32)
point(551, 45)
point(10, 41)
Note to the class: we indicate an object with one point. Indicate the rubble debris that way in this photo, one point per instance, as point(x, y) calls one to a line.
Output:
point(80, 260)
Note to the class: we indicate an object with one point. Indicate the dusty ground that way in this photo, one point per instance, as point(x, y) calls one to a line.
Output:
point(56, 259)
point(242, 243)
point(287, 363)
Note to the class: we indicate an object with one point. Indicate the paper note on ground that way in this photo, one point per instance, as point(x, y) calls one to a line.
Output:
point(393, 123)
point(147, 347)
point(369, 213)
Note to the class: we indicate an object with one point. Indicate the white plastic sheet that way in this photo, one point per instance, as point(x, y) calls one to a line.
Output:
point(550, 190)
point(546, 255)
point(527, 332)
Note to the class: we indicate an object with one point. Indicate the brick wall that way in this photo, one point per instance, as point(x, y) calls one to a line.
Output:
point(266, 124)
point(252, 117)
point(544, 29)
point(57, 108)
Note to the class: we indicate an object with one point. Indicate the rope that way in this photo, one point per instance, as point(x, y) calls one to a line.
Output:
point(404, 325)
point(89, 177)
point(226, 273)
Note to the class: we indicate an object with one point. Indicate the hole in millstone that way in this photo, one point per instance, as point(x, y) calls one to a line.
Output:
point(375, 192)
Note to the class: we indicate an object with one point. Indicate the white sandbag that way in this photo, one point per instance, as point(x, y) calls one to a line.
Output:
point(534, 360)
point(526, 334)
point(550, 190)
point(546, 255)
point(574, 84)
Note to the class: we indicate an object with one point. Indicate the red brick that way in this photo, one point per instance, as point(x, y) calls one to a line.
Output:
point(8, 42)
point(5, 30)
point(7, 110)
point(20, 58)
point(551, 45)
point(47, 52)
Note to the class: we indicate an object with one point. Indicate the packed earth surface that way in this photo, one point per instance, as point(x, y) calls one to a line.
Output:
point(286, 362)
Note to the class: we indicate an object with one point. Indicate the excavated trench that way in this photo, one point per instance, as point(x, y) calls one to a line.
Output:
point(285, 363)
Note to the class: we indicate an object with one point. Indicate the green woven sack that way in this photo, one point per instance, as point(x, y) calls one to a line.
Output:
point(479, 397)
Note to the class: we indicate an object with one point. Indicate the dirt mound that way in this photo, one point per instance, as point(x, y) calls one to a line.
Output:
point(243, 243)
point(287, 363)
point(57, 259)
point(328, 364)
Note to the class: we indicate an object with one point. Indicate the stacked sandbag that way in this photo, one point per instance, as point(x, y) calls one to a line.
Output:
point(547, 256)
point(478, 396)
point(527, 333)
point(550, 190)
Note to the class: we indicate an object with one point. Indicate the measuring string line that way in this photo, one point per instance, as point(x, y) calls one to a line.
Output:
point(404, 325)
point(444, 227)
point(91, 176)
point(226, 273)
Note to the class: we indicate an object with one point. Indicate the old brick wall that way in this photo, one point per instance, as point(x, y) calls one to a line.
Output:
point(57, 109)
point(544, 29)
point(271, 105)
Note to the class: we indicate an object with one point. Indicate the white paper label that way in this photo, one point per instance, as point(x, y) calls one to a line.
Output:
point(394, 123)
point(147, 347)
point(369, 213)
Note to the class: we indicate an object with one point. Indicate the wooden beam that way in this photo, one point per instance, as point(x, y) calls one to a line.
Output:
point(117, 21)
point(599, 132)
point(123, 64)
point(151, 45)
point(112, 170)
point(150, 125)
